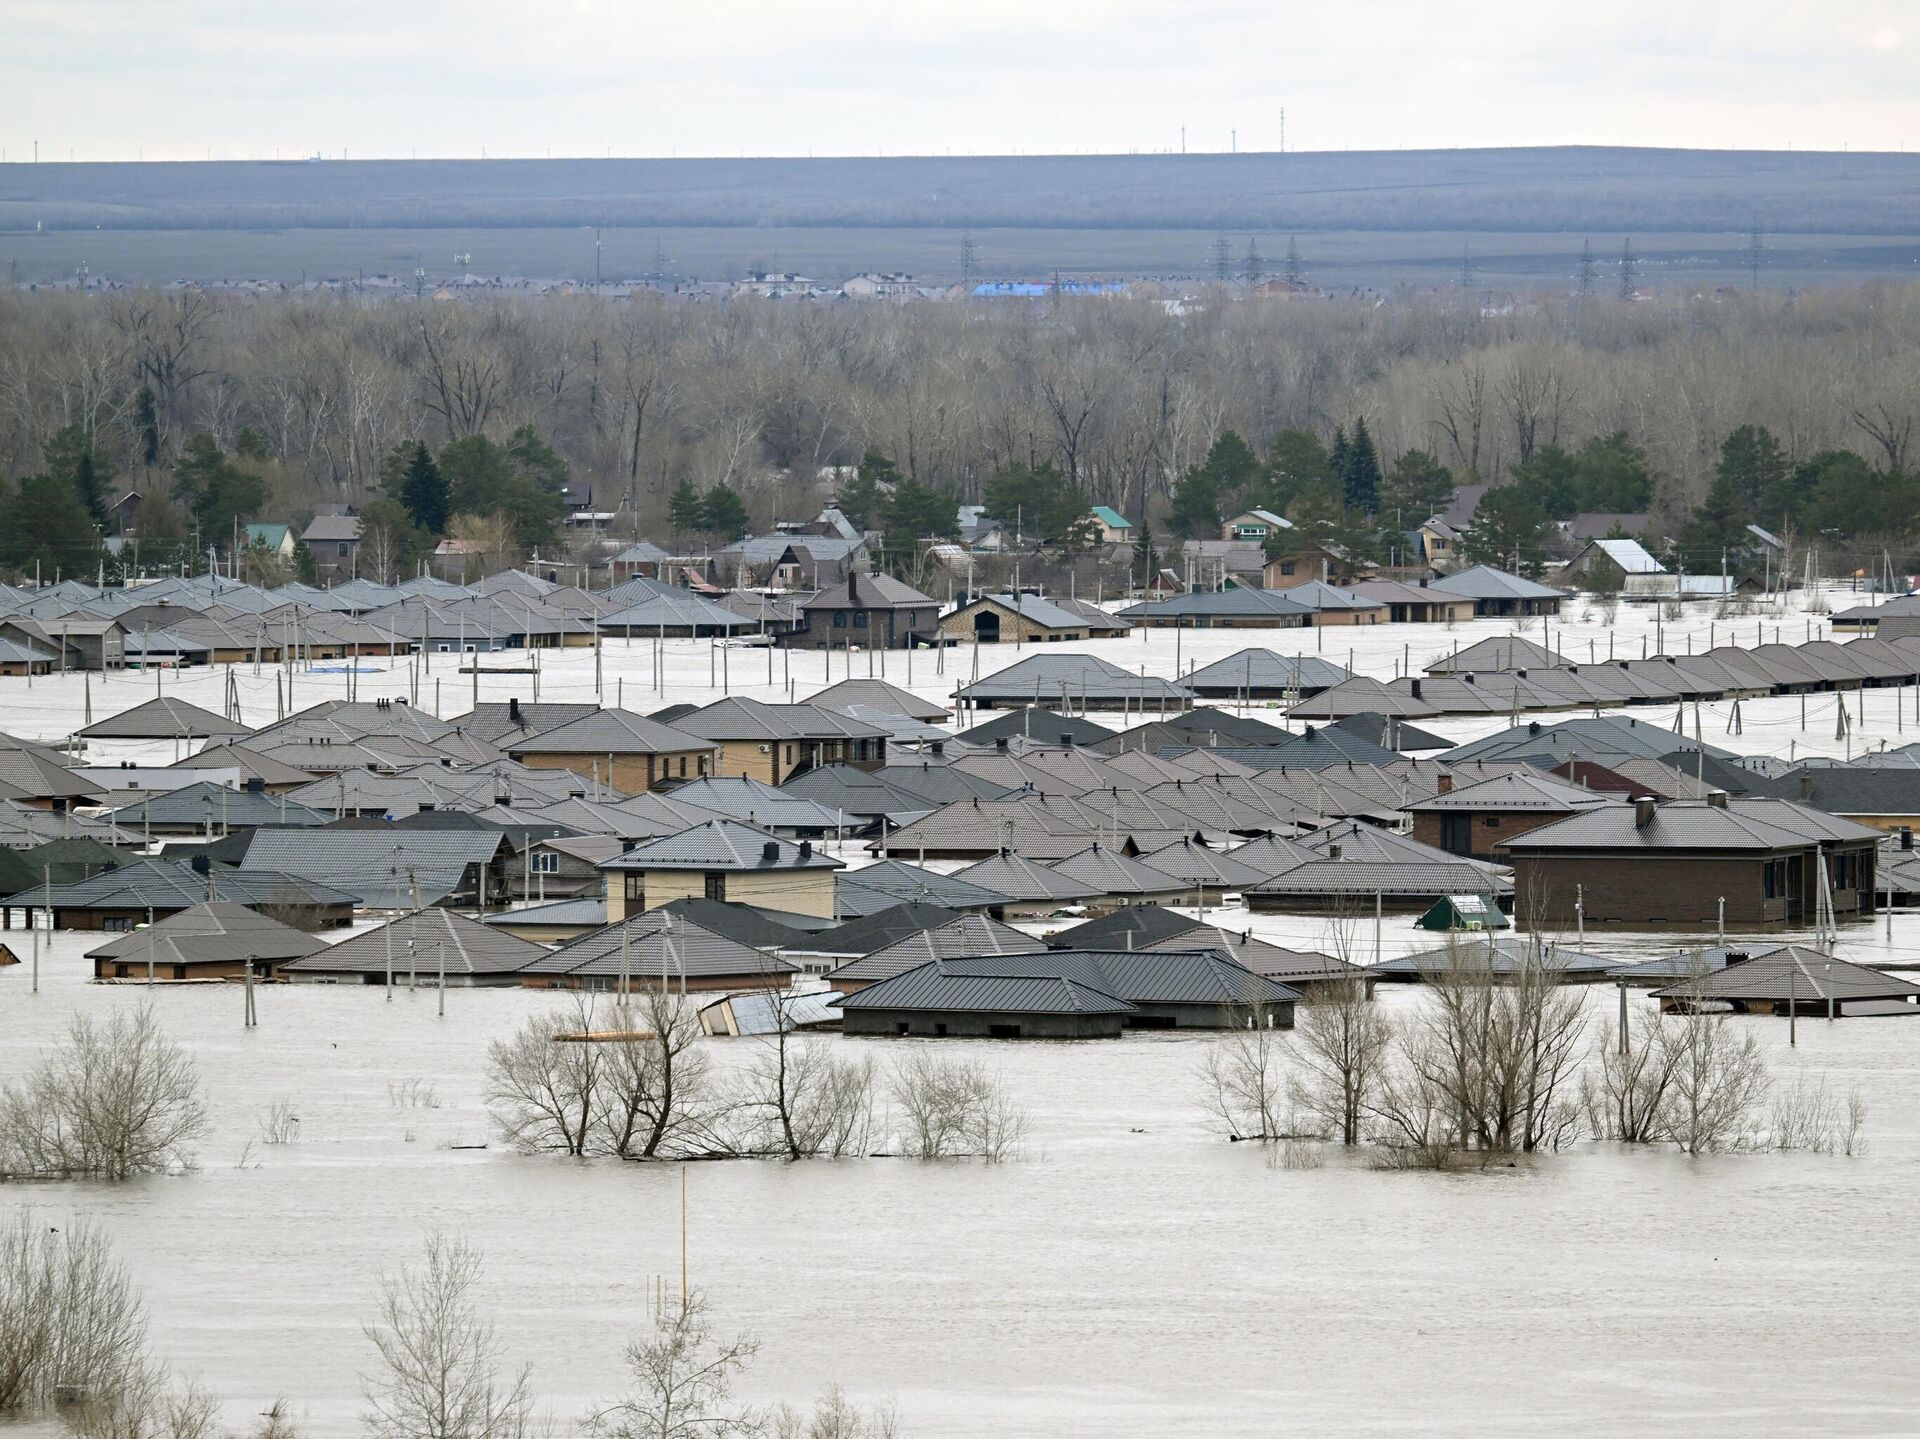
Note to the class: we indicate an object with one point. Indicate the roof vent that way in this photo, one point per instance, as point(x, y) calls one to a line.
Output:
point(1001, 744)
point(1717, 798)
point(255, 785)
point(1416, 689)
point(1066, 741)
point(806, 850)
point(1333, 851)
point(1643, 808)
point(1533, 727)
point(513, 713)
point(1906, 836)
point(202, 863)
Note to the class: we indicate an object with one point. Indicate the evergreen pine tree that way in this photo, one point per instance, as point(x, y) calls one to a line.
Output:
point(1339, 458)
point(724, 513)
point(1362, 476)
point(685, 511)
point(425, 494)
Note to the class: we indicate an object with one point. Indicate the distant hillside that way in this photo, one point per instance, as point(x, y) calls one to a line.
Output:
point(1573, 190)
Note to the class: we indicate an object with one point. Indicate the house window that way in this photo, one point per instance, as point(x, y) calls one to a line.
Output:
point(341, 551)
point(839, 619)
point(683, 766)
point(859, 619)
point(1286, 567)
point(1774, 879)
point(1491, 821)
point(717, 887)
point(116, 924)
point(546, 862)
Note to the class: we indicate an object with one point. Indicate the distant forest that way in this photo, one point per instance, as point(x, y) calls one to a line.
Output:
point(1575, 190)
point(243, 408)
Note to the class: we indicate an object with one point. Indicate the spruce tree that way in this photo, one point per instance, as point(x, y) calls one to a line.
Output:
point(146, 419)
point(425, 494)
point(724, 513)
point(685, 511)
point(1362, 474)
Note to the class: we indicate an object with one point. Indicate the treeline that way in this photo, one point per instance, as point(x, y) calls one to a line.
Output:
point(1596, 405)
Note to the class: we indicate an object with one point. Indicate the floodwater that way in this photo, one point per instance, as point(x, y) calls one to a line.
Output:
point(1132, 1274)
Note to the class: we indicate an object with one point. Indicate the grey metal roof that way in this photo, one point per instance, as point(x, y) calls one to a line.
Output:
point(1484, 582)
point(160, 884)
point(1035, 609)
point(1598, 738)
point(495, 722)
point(645, 816)
point(215, 931)
point(661, 942)
point(750, 924)
point(1116, 874)
point(877, 930)
point(1502, 954)
point(1522, 790)
point(740, 718)
point(163, 717)
point(1045, 677)
point(1020, 878)
point(1361, 695)
point(1791, 973)
point(856, 796)
point(419, 943)
point(722, 844)
point(967, 936)
point(1288, 966)
point(1259, 669)
point(199, 804)
point(759, 804)
point(675, 609)
point(1361, 859)
point(1883, 790)
point(608, 731)
point(1392, 734)
point(1502, 652)
point(1241, 602)
point(588, 910)
point(1038, 722)
point(1757, 826)
point(945, 989)
point(1135, 926)
point(938, 784)
point(1160, 977)
point(878, 694)
point(380, 866)
point(881, 886)
point(1199, 866)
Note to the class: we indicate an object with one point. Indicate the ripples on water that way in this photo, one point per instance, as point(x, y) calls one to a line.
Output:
point(1135, 1276)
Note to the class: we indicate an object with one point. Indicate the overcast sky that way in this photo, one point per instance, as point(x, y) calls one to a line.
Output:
point(113, 79)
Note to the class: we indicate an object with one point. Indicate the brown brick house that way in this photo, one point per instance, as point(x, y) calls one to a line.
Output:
point(1474, 819)
point(1647, 864)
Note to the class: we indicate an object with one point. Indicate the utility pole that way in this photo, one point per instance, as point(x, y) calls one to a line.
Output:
point(1222, 259)
point(1629, 269)
point(969, 259)
point(1756, 247)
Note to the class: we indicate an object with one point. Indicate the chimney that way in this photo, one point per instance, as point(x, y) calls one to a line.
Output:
point(770, 852)
point(255, 785)
point(1643, 807)
point(1309, 732)
point(1333, 851)
point(1906, 836)
point(201, 864)
point(853, 589)
point(1806, 786)
point(1001, 744)
point(513, 714)
point(1717, 799)
point(1533, 727)
point(1066, 741)
point(1445, 783)
point(1416, 689)
point(1521, 673)
point(806, 850)
point(939, 746)
point(1468, 678)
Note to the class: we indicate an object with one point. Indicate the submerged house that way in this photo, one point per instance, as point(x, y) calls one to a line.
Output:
point(1069, 994)
point(1647, 864)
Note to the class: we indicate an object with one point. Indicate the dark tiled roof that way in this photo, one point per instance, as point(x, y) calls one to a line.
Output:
point(1791, 973)
point(965, 937)
point(722, 845)
point(608, 731)
point(164, 718)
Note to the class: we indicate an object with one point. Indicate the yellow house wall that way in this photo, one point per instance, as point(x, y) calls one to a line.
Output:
point(799, 891)
point(629, 770)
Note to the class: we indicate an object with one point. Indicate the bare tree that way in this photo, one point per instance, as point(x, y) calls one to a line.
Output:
point(655, 1097)
point(803, 1097)
point(116, 1099)
point(952, 1107)
point(544, 1090)
point(1342, 1039)
point(835, 1416)
point(1244, 1076)
point(1719, 1079)
point(683, 1379)
point(441, 1369)
point(72, 1319)
point(1495, 1053)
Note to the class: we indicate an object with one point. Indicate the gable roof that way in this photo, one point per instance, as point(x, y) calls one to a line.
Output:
point(880, 886)
point(163, 717)
point(662, 941)
point(965, 936)
point(1484, 582)
point(878, 694)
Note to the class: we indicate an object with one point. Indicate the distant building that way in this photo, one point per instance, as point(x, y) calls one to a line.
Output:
point(333, 541)
point(872, 286)
point(1115, 528)
point(1254, 525)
